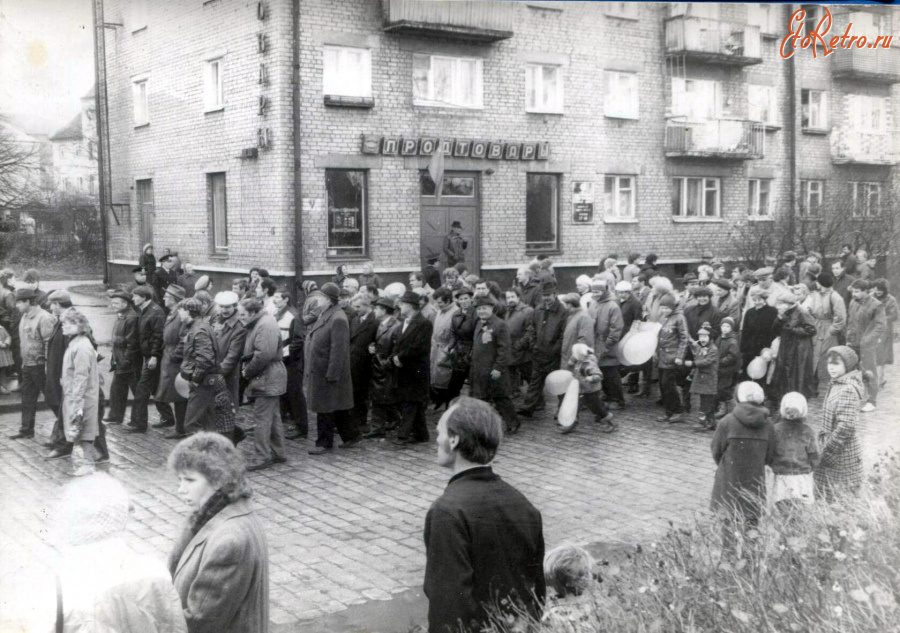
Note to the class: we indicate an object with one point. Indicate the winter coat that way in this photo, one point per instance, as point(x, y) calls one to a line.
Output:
point(263, 364)
point(170, 364)
point(632, 311)
point(162, 279)
point(151, 322)
point(866, 324)
point(326, 372)
point(222, 576)
point(413, 350)
point(841, 465)
point(56, 349)
point(441, 343)
point(796, 449)
point(587, 373)
point(126, 343)
point(188, 282)
point(383, 385)
point(757, 332)
point(696, 315)
point(81, 387)
point(742, 446)
point(729, 356)
point(794, 364)
point(517, 323)
point(463, 327)
point(885, 354)
point(705, 375)
point(531, 294)
point(454, 249)
point(545, 331)
point(230, 336)
point(730, 307)
point(842, 287)
point(432, 277)
point(608, 329)
point(830, 316)
point(198, 350)
point(362, 333)
point(579, 329)
point(293, 336)
point(490, 351)
point(673, 341)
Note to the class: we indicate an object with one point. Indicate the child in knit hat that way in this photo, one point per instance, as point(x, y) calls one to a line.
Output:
point(729, 365)
point(583, 364)
point(796, 454)
point(705, 376)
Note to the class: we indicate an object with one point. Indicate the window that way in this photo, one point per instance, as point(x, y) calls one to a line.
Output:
point(454, 82)
point(696, 99)
point(347, 72)
point(91, 185)
point(759, 204)
point(139, 10)
point(213, 91)
point(91, 150)
point(453, 186)
point(866, 113)
point(866, 199)
point(623, 10)
point(813, 15)
point(812, 193)
point(347, 215)
point(708, 10)
point(621, 95)
point(218, 211)
point(814, 107)
point(764, 16)
point(542, 212)
point(141, 107)
point(763, 104)
point(696, 197)
point(543, 88)
point(618, 196)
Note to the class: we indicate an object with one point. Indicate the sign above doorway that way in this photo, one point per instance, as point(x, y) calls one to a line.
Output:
point(461, 148)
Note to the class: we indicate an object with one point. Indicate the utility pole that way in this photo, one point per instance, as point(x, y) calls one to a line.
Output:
point(100, 98)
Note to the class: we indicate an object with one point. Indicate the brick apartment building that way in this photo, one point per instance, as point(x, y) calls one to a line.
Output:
point(295, 134)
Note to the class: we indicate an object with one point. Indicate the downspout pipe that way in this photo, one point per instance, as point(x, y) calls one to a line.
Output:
point(295, 118)
point(792, 147)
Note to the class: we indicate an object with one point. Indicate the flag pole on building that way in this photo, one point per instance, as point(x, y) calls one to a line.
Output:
point(436, 170)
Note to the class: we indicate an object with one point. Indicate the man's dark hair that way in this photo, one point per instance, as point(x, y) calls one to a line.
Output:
point(516, 290)
point(847, 246)
point(418, 276)
point(268, 285)
point(651, 258)
point(478, 428)
point(144, 292)
point(252, 306)
point(633, 257)
point(479, 281)
point(861, 284)
point(241, 283)
point(443, 294)
point(284, 292)
point(263, 272)
point(781, 274)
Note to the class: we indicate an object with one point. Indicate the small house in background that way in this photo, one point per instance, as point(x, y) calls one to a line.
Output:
point(75, 167)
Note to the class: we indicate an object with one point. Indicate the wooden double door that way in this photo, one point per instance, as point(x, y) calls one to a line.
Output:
point(460, 201)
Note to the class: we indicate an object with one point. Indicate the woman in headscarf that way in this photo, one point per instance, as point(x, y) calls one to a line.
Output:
point(794, 363)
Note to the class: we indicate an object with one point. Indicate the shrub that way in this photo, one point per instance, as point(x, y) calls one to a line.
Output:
point(828, 567)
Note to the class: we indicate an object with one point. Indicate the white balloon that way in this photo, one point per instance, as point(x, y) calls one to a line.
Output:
point(568, 410)
point(557, 382)
point(756, 369)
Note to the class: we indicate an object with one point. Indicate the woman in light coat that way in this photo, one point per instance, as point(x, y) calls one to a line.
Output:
point(81, 388)
point(830, 314)
point(220, 563)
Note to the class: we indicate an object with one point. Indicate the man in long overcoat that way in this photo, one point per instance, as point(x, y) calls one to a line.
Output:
point(126, 356)
point(151, 323)
point(164, 276)
point(362, 334)
point(327, 376)
point(412, 356)
point(491, 353)
point(545, 332)
point(170, 365)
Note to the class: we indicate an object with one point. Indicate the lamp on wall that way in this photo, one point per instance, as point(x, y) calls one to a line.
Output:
point(489, 171)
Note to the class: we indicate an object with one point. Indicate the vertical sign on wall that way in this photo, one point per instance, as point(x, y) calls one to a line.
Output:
point(582, 202)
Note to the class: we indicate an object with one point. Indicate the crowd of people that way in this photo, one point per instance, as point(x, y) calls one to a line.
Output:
point(368, 360)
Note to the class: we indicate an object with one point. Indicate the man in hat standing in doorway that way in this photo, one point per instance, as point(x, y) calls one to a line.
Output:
point(454, 245)
point(164, 276)
point(491, 353)
point(126, 356)
point(412, 358)
point(35, 329)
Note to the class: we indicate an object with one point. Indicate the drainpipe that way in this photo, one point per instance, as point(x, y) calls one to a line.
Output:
point(792, 102)
point(295, 118)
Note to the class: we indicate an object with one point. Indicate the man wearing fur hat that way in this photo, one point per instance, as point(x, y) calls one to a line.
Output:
point(723, 299)
point(489, 374)
point(230, 335)
point(794, 363)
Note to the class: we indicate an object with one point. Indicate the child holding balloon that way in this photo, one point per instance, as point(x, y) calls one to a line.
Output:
point(583, 365)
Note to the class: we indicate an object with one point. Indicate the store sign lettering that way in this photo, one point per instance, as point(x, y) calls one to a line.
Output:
point(460, 148)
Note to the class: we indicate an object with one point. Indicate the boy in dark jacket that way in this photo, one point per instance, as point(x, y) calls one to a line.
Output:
point(705, 376)
point(729, 366)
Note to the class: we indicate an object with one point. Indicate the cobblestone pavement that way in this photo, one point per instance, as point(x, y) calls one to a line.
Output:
point(346, 529)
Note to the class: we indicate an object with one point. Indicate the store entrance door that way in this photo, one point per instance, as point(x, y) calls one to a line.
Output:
point(459, 202)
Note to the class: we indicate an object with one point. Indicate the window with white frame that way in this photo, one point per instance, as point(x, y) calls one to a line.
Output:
point(696, 99)
point(696, 198)
point(813, 14)
point(621, 100)
point(619, 197)
point(218, 210)
point(760, 198)
point(866, 199)
point(623, 10)
point(763, 102)
point(812, 194)
point(454, 82)
point(213, 90)
point(141, 104)
point(543, 88)
point(867, 114)
point(814, 109)
point(347, 72)
point(765, 16)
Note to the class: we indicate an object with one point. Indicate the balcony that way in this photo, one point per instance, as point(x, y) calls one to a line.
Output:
point(713, 41)
point(471, 21)
point(857, 147)
point(879, 65)
point(729, 139)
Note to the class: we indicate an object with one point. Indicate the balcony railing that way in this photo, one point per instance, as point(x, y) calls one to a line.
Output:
point(713, 41)
point(878, 65)
point(474, 21)
point(715, 138)
point(865, 148)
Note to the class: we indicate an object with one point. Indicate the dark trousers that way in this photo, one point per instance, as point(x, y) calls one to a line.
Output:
point(504, 406)
point(534, 398)
point(595, 404)
point(178, 417)
point(725, 388)
point(360, 411)
point(31, 384)
point(146, 386)
point(707, 404)
point(517, 375)
point(16, 349)
point(454, 388)
point(668, 389)
point(118, 394)
point(340, 421)
point(201, 408)
point(412, 423)
point(612, 384)
point(386, 417)
point(293, 401)
point(684, 384)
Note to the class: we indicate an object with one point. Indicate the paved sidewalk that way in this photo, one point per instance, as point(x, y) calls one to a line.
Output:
point(346, 529)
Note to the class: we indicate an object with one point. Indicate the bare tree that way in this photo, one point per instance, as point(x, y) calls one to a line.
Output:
point(19, 167)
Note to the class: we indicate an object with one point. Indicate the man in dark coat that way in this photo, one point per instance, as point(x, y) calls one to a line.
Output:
point(383, 383)
point(326, 374)
point(188, 280)
point(794, 363)
point(199, 366)
point(60, 302)
point(842, 281)
point(412, 357)
point(126, 356)
point(484, 541)
point(632, 310)
point(293, 335)
point(140, 279)
point(151, 322)
point(164, 276)
point(530, 287)
point(432, 274)
point(454, 245)
point(362, 334)
point(545, 332)
point(170, 366)
point(491, 353)
point(848, 261)
point(230, 335)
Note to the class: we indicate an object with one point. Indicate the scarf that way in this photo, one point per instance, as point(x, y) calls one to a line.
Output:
point(215, 504)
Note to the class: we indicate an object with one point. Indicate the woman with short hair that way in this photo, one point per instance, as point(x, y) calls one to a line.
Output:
point(220, 563)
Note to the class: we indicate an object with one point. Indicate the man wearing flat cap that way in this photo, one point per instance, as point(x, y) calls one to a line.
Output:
point(164, 276)
point(126, 356)
point(151, 323)
point(765, 281)
point(545, 331)
point(723, 299)
point(491, 353)
point(35, 329)
point(412, 357)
